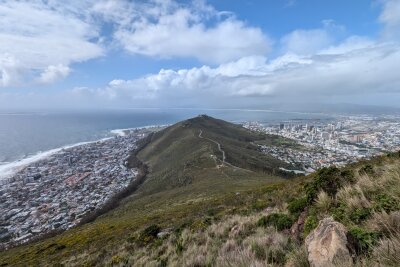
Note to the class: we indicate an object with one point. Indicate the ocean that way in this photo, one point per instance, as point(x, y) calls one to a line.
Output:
point(28, 136)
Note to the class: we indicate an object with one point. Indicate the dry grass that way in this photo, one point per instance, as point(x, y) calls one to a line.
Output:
point(233, 227)
point(387, 252)
point(235, 241)
point(298, 258)
point(323, 202)
point(353, 197)
point(387, 181)
point(386, 223)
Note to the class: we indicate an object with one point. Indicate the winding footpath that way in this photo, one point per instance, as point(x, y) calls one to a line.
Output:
point(218, 144)
point(222, 151)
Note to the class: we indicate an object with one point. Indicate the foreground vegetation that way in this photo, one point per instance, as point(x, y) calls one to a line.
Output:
point(365, 197)
point(191, 211)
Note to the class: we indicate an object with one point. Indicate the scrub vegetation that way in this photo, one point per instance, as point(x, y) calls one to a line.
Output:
point(193, 210)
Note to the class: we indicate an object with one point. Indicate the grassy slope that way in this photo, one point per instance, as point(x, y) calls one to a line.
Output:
point(365, 197)
point(183, 187)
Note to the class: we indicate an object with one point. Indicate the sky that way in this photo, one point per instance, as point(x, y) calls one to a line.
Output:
point(198, 54)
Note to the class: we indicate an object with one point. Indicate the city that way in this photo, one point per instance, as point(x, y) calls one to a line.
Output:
point(332, 142)
point(56, 192)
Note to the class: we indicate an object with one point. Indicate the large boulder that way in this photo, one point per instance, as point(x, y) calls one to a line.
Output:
point(327, 245)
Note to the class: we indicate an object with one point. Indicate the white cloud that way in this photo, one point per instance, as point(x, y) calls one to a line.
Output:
point(167, 29)
point(10, 70)
point(53, 73)
point(390, 17)
point(38, 34)
point(361, 69)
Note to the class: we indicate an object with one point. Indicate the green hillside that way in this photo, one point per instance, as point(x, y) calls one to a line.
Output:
point(190, 208)
point(189, 185)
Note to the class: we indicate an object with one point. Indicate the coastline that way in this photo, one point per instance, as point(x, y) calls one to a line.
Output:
point(62, 190)
point(9, 169)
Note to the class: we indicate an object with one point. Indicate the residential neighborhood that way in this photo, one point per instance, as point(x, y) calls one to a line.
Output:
point(336, 142)
point(56, 192)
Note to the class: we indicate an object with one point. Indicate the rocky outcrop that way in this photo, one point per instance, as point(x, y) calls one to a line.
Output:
point(327, 245)
point(298, 226)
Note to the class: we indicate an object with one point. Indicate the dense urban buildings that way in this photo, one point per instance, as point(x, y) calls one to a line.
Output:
point(54, 193)
point(332, 142)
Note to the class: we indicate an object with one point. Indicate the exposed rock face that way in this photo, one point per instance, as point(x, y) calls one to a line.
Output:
point(298, 226)
point(327, 245)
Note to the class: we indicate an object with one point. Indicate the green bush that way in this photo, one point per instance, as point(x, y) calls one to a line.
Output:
point(310, 224)
point(363, 239)
point(276, 257)
point(149, 234)
point(329, 180)
point(386, 202)
point(296, 206)
point(368, 169)
point(339, 213)
point(360, 214)
point(348, 176)
point(259, 251)
point(258, 205)
point(179, 246)
point(279, 220)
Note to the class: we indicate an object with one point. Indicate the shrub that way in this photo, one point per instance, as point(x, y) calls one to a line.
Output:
point(310, 224)
point(279, 220)
point(368, 169)
point(259, 251)
point(327, 179)
point(149, 234)
point(339, 212)
point(363, 239)
point(178, 246)
point(276, 256)
point(262, 222)
point(296, 206)
point(360, 214)
point(386, 202)
point(200, 224)
point(348, 176)
point(116, 259)
point(258, 205)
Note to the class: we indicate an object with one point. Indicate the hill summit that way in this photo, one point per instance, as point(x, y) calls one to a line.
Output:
point(203, 147)
point(192, 173)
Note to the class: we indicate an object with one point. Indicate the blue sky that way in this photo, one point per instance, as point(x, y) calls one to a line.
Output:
point(166, 53)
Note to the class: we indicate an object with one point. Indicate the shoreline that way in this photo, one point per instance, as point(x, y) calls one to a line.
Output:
point(10, 168)
point(71, 187)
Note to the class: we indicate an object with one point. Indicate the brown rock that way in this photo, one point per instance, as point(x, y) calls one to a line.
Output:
point(298, 226)
point(327, 245)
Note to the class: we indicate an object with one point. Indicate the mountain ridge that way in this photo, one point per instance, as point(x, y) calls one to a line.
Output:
point(194, 210)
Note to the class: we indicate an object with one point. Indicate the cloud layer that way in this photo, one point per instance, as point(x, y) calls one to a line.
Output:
point(43, 39)
point(345, 69)
point(36, 36)
point(167, 29)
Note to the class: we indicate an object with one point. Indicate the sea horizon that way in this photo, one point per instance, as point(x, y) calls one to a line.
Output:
point(35, 135)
